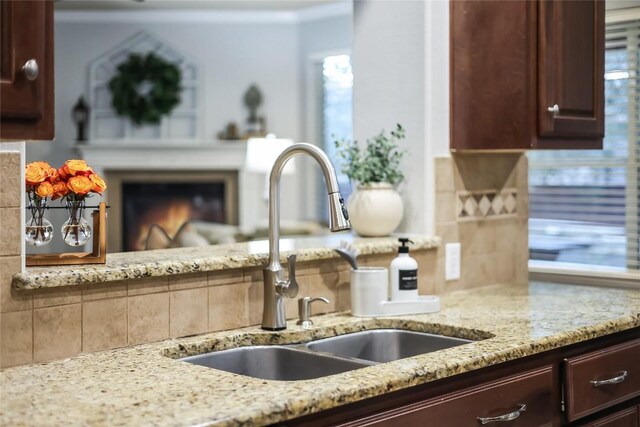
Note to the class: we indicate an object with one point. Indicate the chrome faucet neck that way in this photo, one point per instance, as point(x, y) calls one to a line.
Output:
point(275, 286)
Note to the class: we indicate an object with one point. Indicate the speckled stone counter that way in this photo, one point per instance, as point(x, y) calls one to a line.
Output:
point(138, 265)
point(146, 385)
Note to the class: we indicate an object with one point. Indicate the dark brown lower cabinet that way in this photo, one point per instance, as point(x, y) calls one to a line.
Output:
point(624, 418)
point(523, 400)
point(593, 383)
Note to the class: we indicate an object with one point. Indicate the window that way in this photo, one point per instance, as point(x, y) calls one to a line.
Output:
point(584, 204)
point(336, 111)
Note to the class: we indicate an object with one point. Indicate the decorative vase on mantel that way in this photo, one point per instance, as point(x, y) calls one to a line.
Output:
point(76, 231)
point(38, 230)
point(375, 209)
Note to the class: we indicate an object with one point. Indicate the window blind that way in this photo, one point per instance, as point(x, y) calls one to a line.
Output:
point(584, 204)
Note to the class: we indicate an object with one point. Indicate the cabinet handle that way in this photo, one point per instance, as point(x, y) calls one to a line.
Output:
point(506, 417)
point(614, 380)
point(30, 69)
point(555, 110)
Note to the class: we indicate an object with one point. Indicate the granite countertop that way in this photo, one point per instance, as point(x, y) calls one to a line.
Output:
point(145, 385)
point(137, 265)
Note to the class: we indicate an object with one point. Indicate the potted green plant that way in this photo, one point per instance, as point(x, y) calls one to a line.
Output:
point(375, 208)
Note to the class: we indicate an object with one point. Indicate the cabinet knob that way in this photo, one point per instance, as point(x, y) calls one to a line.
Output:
point(30, 69)
point(555, 109)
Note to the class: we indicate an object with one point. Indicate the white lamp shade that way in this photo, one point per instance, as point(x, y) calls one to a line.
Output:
point(263, 152)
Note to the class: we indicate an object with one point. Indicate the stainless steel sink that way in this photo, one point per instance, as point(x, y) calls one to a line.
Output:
point(384, 345)
point(275, 363)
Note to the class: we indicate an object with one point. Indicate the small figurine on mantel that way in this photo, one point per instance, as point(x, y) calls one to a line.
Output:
point(255, 124)
point(230, 132)
point(80, 114)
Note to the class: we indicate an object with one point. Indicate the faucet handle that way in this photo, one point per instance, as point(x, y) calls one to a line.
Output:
point(304, 310)
point(290, 287)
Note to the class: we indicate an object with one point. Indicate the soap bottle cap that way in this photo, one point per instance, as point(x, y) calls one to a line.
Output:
point(404, 249)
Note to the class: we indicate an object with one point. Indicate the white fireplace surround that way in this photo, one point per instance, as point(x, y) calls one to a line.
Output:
point(189, 156)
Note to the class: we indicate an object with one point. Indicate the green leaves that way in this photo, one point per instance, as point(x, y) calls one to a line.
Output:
point(378, 161)
point(147, 106)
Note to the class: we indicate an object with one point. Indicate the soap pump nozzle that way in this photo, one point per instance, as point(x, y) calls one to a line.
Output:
point(404, 248)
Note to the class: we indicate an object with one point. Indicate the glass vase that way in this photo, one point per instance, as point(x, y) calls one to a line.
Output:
point(38, 231)
point(76, 231)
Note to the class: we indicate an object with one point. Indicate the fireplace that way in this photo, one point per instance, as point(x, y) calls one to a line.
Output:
point(140, 199)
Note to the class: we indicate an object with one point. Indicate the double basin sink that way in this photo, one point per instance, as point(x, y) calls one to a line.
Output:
point(324, 357)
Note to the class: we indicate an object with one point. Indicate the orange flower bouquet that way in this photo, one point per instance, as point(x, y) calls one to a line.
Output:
point(40, 179)
point(76, 182)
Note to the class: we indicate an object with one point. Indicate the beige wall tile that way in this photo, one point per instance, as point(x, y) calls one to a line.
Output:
point(188, 281)
point(323, 285)
point(505, 267)
point(252, 274)
point(57, 332)
point(148, 318)
point(445, 207)
point(320, 267)
point(377, 260)
point(108, 290)
point(255, 296)
point(188, 312)
point(10, 231)
point(229, 306)
point(444, 179)
point(448, 231)
point(483, 172)
point(225, 277)
point(149, 285)
point(56, 296)
point(104, 324)
point(343, 292)
point(12, 299)
point(16, 338)
point(427, 266)
point(10, 183)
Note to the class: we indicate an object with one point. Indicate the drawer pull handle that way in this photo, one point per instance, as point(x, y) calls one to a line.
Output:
point(506, 417)
point(614, 380)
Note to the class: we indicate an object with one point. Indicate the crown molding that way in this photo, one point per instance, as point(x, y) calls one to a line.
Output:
point(314, 13)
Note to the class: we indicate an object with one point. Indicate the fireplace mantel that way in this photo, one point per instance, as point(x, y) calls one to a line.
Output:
point(205, 155)
point(200, 156)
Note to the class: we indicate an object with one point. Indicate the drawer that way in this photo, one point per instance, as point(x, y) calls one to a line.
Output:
point(624, 418)
point(525, 398)
point(602, 378)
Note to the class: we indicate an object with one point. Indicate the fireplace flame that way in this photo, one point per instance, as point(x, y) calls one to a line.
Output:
point(170, 217)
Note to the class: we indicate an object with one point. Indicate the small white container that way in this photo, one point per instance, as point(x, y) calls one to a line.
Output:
point(369, 288)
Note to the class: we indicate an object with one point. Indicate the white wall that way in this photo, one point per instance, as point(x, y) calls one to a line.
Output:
point(318, 39)
point(400, 62)
point(232, 55)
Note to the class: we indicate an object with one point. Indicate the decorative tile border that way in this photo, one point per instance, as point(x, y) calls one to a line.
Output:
point(475, 205)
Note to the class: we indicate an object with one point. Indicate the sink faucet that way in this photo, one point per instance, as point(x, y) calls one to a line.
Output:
point(276, 287)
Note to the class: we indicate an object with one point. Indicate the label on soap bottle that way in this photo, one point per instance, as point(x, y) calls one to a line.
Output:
point(408, 280)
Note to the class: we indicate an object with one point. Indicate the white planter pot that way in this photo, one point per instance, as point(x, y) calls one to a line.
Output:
point(375, 209)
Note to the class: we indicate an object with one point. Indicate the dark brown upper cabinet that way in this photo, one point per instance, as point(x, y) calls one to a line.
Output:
point(26, 70)
point(527, 74)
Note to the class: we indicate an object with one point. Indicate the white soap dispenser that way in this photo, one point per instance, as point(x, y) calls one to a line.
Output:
point(404, 274)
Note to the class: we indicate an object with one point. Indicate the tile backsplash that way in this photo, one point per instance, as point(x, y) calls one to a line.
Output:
point(482, 202)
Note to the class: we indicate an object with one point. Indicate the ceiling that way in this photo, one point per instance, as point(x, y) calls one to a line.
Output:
point(267, 5)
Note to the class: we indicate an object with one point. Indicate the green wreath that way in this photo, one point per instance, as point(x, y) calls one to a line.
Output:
point(145, 88)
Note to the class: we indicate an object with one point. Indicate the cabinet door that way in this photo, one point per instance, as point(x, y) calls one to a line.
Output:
point(520, 400)
point(26, 70)
point(625, 418)
point(571, 71)
point(600, 379)
point(493, 48)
